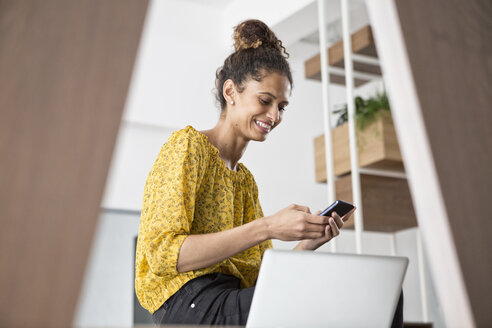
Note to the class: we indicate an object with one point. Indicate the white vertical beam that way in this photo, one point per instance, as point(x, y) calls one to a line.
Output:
point(419, 164)
point(325, 81)
point(354, 158)
point(393, 250)
point(423, 281)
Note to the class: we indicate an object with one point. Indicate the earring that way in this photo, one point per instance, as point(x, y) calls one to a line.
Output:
point(232, 102)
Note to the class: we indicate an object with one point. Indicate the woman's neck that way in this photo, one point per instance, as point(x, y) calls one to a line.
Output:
point(231, 146)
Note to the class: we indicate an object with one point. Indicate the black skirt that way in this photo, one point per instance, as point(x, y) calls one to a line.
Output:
point(216, 299)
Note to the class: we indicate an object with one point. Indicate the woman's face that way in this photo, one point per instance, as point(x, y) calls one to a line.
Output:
point(259, 108)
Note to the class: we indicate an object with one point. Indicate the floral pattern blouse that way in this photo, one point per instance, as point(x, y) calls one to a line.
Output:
point(190, 190)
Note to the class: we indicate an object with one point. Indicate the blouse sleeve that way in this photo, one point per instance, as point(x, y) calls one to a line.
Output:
point(169, 202)
point(267, 243)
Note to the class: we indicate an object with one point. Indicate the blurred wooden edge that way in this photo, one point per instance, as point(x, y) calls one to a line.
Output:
point(66, 68)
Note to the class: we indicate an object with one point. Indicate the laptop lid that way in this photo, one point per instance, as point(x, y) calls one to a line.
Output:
point(314, 289)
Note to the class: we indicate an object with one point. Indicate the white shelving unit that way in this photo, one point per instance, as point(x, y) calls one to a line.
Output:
point(349, 73)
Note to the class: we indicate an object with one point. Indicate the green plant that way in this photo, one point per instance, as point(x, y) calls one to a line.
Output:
point(366, 110)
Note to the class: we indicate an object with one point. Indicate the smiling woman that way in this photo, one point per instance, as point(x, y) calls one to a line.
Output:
point(257, 109)
point(202, 231)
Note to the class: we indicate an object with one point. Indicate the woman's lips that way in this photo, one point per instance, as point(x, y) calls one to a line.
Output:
point(264, 127)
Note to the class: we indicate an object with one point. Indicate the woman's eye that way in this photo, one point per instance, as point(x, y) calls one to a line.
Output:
point(264, 102)
point(281, 109)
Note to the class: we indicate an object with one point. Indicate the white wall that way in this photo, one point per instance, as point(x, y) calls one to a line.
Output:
point(136, 149)
point(171, 88)
point(406, 241)
point(175, 68)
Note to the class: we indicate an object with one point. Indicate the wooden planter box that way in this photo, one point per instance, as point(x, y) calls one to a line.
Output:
point(377, 145)
point(386, 202)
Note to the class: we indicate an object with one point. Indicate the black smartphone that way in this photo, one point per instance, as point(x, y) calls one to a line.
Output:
point(338, 206)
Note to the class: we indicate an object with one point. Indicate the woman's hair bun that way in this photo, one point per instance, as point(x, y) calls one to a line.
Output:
point(253, 33)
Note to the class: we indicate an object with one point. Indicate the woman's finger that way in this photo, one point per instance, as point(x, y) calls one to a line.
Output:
point(334, 229)
point(317, 219)
point(301, 208)
point(314, 235)
point(311, 227)
point(338, 220)
point(328, 233)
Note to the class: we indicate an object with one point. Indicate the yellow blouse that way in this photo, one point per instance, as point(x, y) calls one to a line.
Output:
point(190, 190)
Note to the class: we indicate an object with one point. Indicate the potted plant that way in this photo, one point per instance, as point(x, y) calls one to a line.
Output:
point(376, 138)
point(366, 110)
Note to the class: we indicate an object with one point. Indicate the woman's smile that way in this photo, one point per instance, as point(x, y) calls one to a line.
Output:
point(264, 127)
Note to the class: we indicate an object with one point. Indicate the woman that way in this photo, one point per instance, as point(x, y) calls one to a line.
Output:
point(202, 231)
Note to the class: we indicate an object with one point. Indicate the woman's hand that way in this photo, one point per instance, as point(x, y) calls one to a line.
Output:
point(331, 231)
point(295, 222)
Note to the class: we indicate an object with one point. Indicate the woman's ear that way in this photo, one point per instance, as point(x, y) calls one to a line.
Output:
point(229, 91)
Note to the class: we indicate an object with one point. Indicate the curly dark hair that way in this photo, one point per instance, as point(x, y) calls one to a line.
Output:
point(258, 53)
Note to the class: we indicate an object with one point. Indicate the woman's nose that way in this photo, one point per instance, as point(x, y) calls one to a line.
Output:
point(273, 113)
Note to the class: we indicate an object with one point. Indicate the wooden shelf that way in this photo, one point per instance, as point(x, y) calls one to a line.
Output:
point(386, 202)
point(377, 144)
point(362, 44)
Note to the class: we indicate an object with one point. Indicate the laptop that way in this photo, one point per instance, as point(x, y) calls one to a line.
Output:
point(314, 289)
